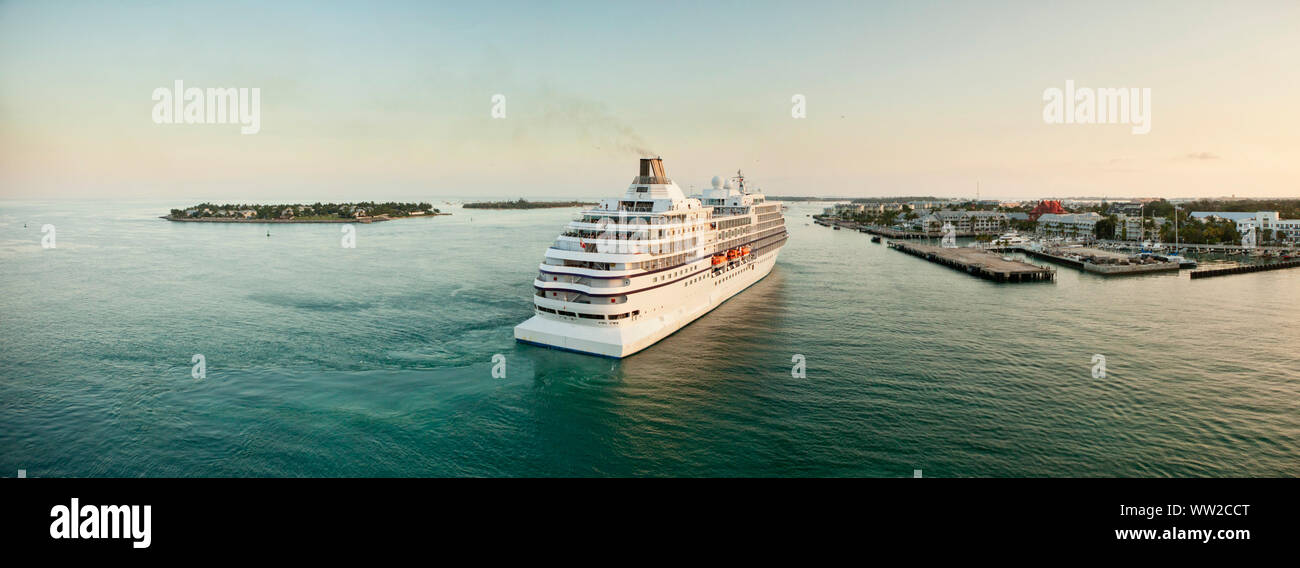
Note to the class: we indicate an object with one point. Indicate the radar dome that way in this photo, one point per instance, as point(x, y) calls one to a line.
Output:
point(717, 182)
point(727, 185)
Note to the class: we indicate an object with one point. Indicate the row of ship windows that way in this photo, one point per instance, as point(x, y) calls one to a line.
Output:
point(698, 279)
point(732, 233)
point(730, 276)
point(660, 262)
point(569, 314)
point(729, 223)
point(670, 275)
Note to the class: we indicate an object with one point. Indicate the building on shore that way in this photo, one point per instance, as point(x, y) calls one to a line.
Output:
point(1282, 230)
point(1132, 209)
point(1130, 227)
point(989, 222)
point(841, 209)
point(1069, 225)
point(1046, 207)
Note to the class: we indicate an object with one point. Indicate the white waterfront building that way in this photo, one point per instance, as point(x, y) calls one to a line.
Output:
point(1072, 225)
point(1287, 230)
point(637, 268)
point(990, 222)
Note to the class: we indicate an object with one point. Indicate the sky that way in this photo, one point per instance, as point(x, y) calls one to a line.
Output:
point(383, 100)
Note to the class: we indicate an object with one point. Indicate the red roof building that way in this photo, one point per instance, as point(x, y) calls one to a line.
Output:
point(1046, 206)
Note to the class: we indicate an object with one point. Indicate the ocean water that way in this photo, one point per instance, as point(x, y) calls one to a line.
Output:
point(377, 361)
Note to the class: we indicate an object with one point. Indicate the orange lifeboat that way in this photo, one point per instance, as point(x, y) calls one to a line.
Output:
point(732, 254)
point(719, 259)
point(744, 251)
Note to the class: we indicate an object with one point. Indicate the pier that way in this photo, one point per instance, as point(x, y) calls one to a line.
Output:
point(1097, 261)
point(977, 262)
point(1244, 269)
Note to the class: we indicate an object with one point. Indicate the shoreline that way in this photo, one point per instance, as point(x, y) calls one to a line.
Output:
point(232, 220)
point(524, 205)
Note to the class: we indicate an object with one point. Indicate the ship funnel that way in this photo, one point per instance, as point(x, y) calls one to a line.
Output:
point(652, 171)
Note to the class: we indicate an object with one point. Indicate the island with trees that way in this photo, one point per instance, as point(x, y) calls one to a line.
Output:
point(361, 212)
point(525, 204)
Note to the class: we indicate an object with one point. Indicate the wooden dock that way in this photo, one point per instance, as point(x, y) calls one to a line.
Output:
point(1244, 269)
point(977, 262)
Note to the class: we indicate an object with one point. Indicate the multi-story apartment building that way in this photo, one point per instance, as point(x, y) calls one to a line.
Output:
point(1070, 225)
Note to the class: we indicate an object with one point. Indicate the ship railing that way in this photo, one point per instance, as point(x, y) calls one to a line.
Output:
point(633, 221)
point(652, 217)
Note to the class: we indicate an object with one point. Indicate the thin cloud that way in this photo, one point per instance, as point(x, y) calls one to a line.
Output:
point(1203, 156)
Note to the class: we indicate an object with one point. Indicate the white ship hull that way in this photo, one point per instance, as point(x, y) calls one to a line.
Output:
point(631, 337)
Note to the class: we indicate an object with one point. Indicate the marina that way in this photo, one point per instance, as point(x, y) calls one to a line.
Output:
point(1098, 261)
point(1100, 257)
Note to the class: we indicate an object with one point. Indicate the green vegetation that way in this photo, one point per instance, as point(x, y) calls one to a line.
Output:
point(1208, 232)
point(1105, 228)
point(302, 212)
point(884, 219)
point(1286, 208)
point(521, 203)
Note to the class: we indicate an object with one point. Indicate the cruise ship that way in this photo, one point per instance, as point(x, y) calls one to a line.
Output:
point(637, 268)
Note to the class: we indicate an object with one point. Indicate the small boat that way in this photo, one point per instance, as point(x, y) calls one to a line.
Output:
point(719, 259)
point(875, 239)
point(836, 227)
point(1183, 262)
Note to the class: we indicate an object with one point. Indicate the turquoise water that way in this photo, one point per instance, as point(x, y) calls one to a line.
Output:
point(377, 361)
